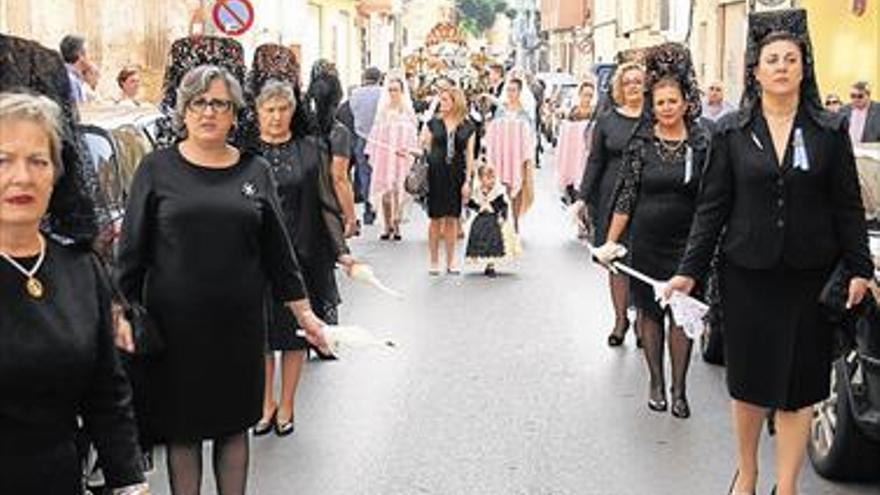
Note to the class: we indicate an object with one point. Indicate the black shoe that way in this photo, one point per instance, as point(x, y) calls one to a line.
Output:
point(384, 237)
point(282, 429)
point(369, 216)
point(657, 400)
point(680, 407)
point(490, 272)
point(321, 356)
point(615, 338)
point(396, 237)
point(264, 426)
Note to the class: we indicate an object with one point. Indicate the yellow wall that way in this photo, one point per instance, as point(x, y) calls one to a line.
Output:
point(847, 47)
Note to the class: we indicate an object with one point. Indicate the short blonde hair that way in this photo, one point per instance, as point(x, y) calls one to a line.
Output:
point(39, 110)
point(617, 84)
point(459, 103)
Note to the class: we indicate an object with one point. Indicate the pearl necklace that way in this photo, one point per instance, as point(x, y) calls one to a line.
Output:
point(32, 285)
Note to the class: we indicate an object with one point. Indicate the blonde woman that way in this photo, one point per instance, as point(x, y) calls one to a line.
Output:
point(449, 140)
point(610, 136)
point(394, 129)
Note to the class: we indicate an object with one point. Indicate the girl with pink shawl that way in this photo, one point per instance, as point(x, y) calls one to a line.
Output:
point(574, 141)
point(393, 135)
point(510, 146)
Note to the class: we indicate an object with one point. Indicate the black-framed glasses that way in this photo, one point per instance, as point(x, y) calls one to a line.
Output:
point(217, 105)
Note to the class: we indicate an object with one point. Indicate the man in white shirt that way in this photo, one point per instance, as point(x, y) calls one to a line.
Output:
point(714, 105)
point(863, 114)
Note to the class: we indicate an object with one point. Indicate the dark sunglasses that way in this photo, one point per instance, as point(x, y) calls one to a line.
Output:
point(218, 106)
point(857, 96)
point(832, 102)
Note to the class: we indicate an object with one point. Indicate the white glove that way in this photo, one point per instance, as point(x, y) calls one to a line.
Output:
point(607, 253)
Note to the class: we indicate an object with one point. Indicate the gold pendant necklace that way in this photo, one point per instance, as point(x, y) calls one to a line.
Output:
point(32, 285)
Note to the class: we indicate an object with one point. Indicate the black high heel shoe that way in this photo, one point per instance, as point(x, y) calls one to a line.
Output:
point(657, 400)
point(680, 407)
point(615, 338)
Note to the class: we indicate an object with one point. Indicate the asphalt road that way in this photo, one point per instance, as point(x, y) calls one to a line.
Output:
point(500, 386)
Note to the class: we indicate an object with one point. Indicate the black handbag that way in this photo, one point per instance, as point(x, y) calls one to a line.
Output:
point(148, 342)
point(416, 182)
point(836, 290)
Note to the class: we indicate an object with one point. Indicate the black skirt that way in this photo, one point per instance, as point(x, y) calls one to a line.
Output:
point(485, 240)
point(778, 340)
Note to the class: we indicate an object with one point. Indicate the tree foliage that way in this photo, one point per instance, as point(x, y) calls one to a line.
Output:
point(478, 16)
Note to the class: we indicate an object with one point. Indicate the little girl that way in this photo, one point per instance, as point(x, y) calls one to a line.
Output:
point(491, 239)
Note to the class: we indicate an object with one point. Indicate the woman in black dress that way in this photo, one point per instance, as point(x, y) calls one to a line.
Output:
point(782, 181)
point(449, 140)
point(203, 237)
point(57, 358)
point(299, 164)
point(656, 200)
point(604, 164)
point(322, 99)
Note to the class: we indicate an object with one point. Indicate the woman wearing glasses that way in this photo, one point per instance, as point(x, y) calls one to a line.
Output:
point(610, 135)
point(203, 237)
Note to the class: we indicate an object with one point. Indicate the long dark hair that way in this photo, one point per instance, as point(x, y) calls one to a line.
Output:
point(323, 97)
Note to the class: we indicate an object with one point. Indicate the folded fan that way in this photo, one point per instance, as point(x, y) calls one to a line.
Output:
point(362, 272)
point(350, 337)
point(689, 313)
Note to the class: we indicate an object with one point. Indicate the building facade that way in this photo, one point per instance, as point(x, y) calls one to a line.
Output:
point(566, 27)
point(114, 41)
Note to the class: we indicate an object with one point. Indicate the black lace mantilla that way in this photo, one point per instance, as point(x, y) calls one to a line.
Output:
point(672, 60)
point(77, 209)
point(763, 24)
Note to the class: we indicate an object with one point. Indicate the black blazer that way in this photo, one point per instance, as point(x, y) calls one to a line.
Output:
point(871, 132)
point(779, 214)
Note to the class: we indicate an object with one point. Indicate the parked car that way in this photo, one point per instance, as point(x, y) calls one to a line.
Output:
point(117, 138)
point(845, 434)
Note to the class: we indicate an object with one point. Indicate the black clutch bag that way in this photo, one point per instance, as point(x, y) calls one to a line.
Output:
point(836, 290)
point(148, 341)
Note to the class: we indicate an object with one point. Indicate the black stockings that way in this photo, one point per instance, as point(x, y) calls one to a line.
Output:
point(652, 333)
point(619, 298)
point(230, 465)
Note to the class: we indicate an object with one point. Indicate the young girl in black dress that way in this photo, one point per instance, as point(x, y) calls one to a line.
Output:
point(487, 242)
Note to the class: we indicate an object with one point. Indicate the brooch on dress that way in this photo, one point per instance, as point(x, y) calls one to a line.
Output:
point(248, 189)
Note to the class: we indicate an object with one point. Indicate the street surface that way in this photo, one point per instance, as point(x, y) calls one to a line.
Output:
point(498, 387)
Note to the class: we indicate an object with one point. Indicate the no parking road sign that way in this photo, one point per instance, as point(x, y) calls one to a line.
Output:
point(233, 17)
